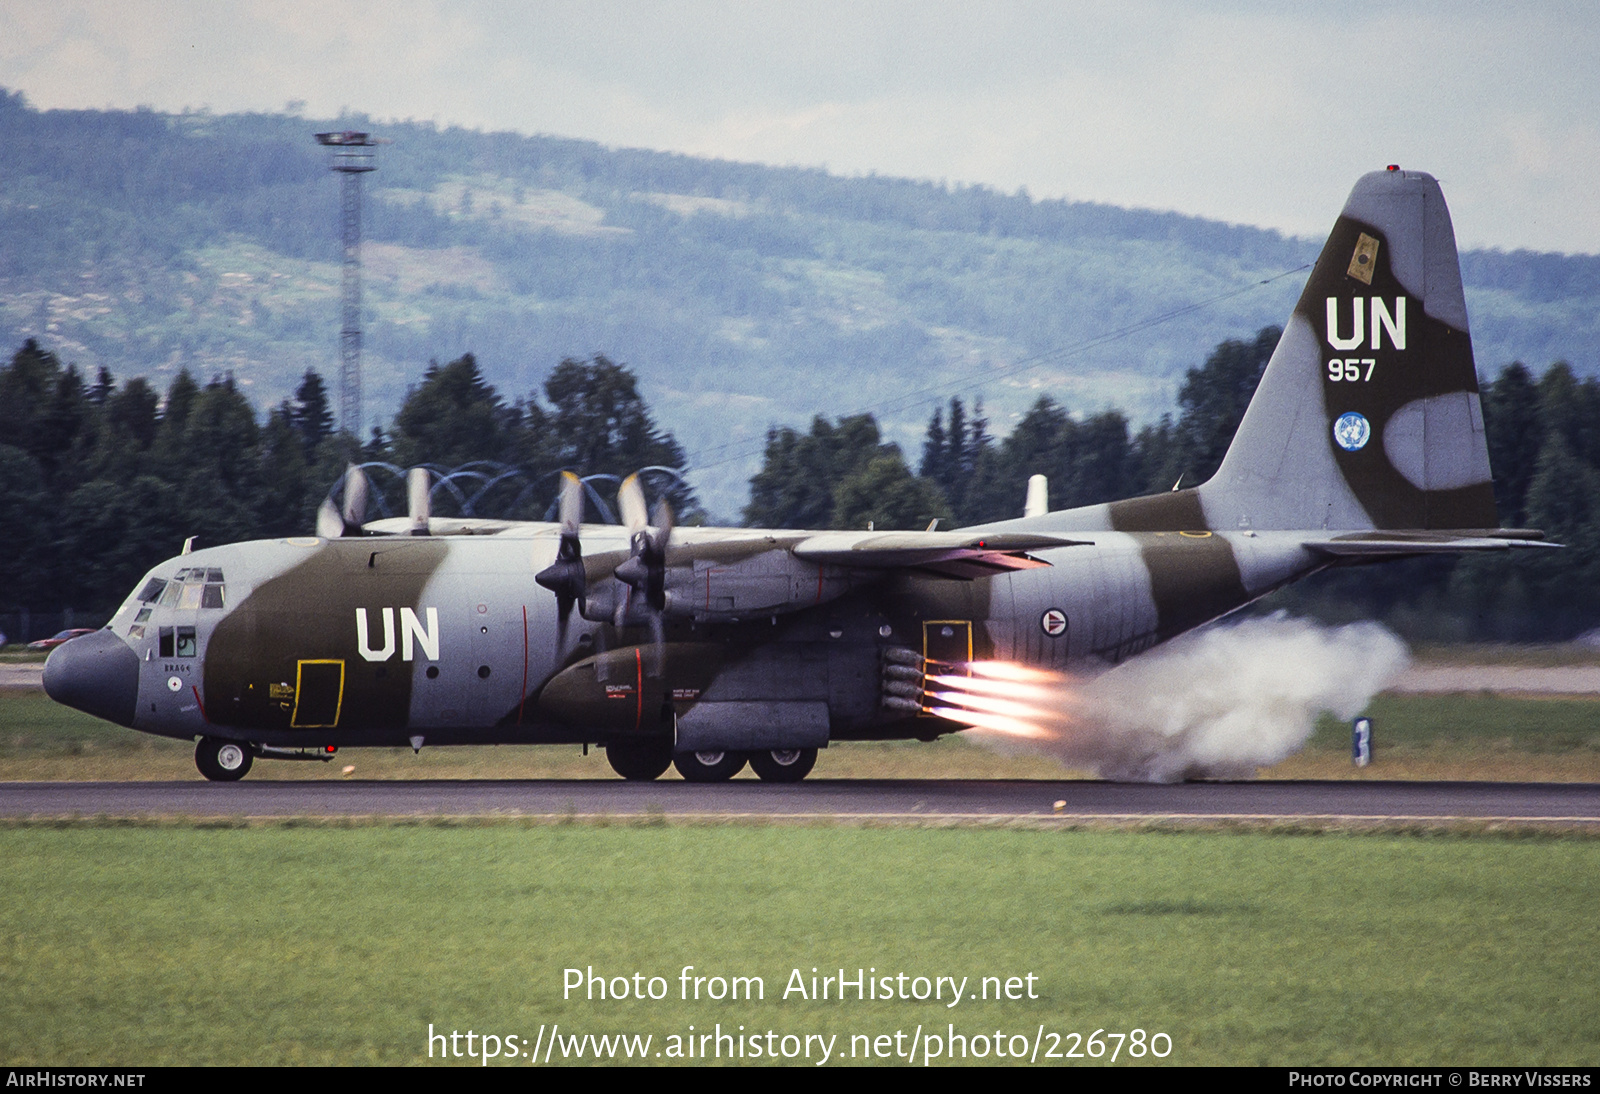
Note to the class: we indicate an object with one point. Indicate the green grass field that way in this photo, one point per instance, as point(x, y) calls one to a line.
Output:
point(334, 945)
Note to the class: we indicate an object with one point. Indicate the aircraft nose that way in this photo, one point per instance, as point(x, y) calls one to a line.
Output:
point(97, 674)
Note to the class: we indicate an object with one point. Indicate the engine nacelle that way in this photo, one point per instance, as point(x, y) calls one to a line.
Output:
point(770, 583)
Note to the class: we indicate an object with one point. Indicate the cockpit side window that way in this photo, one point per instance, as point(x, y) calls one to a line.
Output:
point(186, 646)
point(164, 643)
point(152, 590)
point(212, 598)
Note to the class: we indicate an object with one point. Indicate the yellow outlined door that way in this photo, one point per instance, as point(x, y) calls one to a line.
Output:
point(318, 695)
point(948, 641)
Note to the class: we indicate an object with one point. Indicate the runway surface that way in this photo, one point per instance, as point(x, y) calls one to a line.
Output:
point(968, 800)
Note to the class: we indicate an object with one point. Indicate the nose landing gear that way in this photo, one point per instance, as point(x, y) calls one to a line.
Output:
point(222, 760)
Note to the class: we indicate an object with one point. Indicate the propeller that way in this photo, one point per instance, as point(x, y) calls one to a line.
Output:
point(645, 571)
point(335, 521)
point(566, 577)
point(419, 500)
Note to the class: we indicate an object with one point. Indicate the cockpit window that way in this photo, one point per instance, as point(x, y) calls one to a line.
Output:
point(187, 647)
point(214, 575)
point(213, 595)
point(169, 598)
point(190, 597)
point(152, 589)
point(164, 643)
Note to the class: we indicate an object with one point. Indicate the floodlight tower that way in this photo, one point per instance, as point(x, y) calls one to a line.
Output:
point(352, 158)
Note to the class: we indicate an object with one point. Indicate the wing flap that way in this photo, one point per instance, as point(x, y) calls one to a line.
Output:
point(952, 554)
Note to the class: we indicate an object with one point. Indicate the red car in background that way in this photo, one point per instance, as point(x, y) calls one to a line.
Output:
point(61, 636)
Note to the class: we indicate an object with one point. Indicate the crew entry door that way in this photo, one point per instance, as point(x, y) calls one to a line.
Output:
point(318, 695)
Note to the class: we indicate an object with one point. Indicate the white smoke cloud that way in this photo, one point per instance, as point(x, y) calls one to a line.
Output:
point(1218, 703)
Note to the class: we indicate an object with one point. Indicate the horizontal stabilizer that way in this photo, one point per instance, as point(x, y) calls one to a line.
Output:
point(1391, 544)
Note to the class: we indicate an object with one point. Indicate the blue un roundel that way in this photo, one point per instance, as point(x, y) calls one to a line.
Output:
point(1352, 431)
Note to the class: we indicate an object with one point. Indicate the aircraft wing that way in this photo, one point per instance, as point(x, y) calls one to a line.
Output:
point(953, 554)
point(1392, 544)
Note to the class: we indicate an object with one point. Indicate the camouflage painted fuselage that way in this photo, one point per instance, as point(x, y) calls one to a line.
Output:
point(376, 640)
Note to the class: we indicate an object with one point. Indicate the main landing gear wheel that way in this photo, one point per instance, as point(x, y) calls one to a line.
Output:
point(639, 761)
point(783, 765)
point(708, 767)
point(222, 760)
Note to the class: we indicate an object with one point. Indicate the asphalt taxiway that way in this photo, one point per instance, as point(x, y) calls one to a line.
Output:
point(861, 800)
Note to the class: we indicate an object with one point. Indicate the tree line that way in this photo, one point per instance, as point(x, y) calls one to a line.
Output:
point(99, 479)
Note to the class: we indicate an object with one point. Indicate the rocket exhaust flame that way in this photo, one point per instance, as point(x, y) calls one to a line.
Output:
point(1218, 703)
point(998, 723)
point(988, 703)
point(996, 687)
point(1006, 670)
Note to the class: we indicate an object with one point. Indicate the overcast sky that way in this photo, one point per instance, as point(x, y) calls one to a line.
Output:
point(1257, 113)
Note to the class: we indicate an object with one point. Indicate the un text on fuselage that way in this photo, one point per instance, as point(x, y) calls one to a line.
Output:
point(413, 633)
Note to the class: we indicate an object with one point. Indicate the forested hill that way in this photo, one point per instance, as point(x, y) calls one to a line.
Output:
point(741, 296)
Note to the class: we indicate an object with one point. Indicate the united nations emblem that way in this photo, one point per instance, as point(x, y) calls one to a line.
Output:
point(1352, 431)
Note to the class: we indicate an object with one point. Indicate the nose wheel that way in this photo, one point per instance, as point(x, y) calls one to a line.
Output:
point(222, 760)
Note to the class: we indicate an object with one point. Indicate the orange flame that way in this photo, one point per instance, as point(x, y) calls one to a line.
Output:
point(1000, 723)
point(1007, 670)
point(988, 703)
point(992, 687)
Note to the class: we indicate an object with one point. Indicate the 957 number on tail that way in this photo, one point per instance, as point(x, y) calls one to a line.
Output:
point(1351, 369)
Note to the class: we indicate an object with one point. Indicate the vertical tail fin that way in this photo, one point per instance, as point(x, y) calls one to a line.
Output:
point(1368, 414)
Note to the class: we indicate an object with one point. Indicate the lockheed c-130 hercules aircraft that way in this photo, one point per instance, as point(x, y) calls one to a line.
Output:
point(710, 648)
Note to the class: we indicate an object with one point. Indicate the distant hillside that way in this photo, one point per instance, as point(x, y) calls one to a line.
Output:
point(741, 295)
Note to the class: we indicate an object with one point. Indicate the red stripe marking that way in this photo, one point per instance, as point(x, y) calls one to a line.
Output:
point(820, 571)
point(524, 664)
point(638, 670)
point(201, 705)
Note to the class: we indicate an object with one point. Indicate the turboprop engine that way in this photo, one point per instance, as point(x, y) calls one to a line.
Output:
point(770, 581)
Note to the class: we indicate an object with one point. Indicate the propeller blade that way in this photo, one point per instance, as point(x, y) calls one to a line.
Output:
point(571, 503)
point(662, 518)
point(334, 521)
point(566, 576)
point(356, 489)
point(645, 571)
point(630, 500)
point(656, 589)
point(330, 525)
point(419, 502)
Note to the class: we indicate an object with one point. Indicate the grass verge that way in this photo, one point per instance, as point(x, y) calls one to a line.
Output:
point(278, 944)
